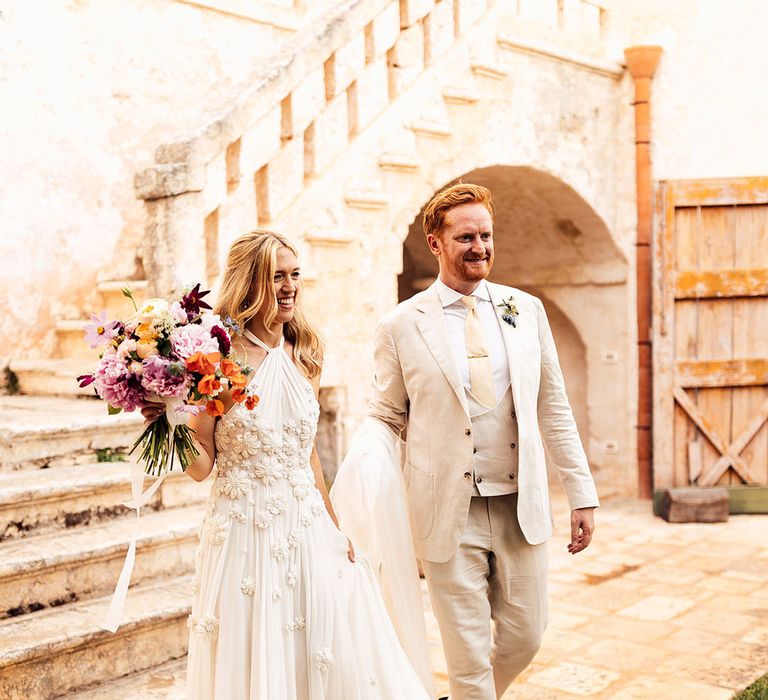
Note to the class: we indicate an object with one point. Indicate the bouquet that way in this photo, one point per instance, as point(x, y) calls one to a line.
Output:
point(173, 352)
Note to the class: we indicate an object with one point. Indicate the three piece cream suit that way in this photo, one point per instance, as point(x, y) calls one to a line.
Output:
point(484, 556)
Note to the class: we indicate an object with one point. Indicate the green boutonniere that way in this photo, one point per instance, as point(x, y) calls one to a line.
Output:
point(510, 313)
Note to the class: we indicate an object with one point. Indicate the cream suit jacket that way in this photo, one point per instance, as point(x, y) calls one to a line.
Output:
point(418, 393)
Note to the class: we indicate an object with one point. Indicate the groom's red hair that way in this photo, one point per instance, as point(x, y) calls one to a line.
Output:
point(450, 197)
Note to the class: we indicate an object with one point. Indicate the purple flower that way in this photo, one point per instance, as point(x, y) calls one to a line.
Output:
point(192, 301)
point(117, 385)
point(187, 340)
point(100, 331)
point(223, 337)
point(85, 379)
point(163, 377)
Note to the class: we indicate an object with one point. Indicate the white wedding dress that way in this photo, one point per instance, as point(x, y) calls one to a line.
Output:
point(279, 612)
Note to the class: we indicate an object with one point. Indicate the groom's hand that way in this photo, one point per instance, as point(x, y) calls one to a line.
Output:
point(351, 551)
point(582, 527)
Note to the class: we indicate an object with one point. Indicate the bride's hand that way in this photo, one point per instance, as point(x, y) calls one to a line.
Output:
point(152, 410)
point(351, 551)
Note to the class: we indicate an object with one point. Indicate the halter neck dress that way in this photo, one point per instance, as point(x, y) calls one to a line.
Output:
point(279, 612)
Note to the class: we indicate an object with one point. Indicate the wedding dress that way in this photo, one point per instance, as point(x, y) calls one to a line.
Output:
point(279, 612)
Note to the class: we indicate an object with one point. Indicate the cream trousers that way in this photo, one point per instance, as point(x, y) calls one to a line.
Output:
point(490, 600)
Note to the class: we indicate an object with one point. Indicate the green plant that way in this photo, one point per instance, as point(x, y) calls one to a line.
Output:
point(11, 381)
point(107, 454)
point(755, 691)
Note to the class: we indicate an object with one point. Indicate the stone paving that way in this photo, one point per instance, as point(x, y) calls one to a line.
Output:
point(650, 611)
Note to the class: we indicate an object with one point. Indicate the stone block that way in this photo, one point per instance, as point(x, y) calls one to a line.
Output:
point(469, 11)
point(411, 11)
point(285, 175)
point(372, 92)
point(407, 57)
point(347, 63)
point(260, 143)
point(386, 29)
point(441, 28)
point(168, 180)
point(331, 132)
point(694, 505)
point(215, 191)
point(307, 100)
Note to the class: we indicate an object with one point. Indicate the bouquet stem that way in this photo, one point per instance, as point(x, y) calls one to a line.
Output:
point(160, 444)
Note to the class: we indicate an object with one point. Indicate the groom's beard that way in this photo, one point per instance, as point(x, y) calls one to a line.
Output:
point(472, 269)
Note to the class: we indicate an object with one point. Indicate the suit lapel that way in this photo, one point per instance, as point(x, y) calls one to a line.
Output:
point(512, 338)
point(431, 324)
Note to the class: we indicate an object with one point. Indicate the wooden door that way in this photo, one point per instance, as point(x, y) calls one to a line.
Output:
point(710, 333)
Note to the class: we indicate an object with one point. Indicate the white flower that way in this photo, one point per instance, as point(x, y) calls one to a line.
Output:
point(301, 481)
point(268, 470)
point(324, 659)
point(262, 520)
point(277, 505)
point(235, 483)
point(306, 520)
point(207, 627)
point(209, 320)
point(152, 308)
point(295, 539)
point(216, 529)
point(236, 514)
point(297, 624)
point(280, 550)
point(277, 594)
point(247, 586)
point(293, 575)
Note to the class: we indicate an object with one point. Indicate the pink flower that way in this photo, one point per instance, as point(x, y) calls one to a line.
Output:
point(178, 313)
point(100, 331)
point(117, 385)
point(187, 340)
point(163, 377)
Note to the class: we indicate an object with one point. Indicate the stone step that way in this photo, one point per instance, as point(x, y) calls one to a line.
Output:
point(165, 682)
point(36, 501)
point(115, 303)
point(52, 377)
point(45, 431)
point(70, 341)
point(489, 70)
point(399, 162)
point(50, 570)
point(431, 129)
point(460, 96)
point(53, 652)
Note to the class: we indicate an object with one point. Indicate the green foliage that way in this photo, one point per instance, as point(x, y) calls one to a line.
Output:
point(108, 454)
point(11, 381)
point(757, 691)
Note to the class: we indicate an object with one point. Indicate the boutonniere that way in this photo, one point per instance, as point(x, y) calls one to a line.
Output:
point(510, 313)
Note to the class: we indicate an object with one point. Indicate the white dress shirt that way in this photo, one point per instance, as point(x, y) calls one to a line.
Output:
point(455, 318)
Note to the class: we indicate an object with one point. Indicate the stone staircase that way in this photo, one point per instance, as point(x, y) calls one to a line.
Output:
point(63, 537)
point(56, 376)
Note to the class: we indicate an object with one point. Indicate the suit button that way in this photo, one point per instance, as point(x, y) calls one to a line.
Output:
point(511, 476)
point(513, 445)
point(467, 475)
point(514, 415)
point(474, 450)
point(479, 480)
point(467, 432)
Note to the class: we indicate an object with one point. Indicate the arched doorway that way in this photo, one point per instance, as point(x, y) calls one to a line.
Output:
point(550, 242)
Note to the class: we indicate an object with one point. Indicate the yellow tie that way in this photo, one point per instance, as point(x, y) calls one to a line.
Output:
point(480, 368)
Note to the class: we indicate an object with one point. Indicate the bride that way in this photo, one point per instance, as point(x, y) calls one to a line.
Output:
point(282, 608)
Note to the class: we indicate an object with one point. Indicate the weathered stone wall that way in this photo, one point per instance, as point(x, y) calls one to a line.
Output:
point(89, 89)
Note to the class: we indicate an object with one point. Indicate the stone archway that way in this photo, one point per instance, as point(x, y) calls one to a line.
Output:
point(550, 242)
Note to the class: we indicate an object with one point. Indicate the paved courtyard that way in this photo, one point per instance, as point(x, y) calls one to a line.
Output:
point(650, 611)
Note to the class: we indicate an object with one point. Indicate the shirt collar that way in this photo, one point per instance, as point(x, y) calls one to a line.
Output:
point(450, 296)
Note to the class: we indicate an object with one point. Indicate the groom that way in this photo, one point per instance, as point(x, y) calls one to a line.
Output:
point(468, 373)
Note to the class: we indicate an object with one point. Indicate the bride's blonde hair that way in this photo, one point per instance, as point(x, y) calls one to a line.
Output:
point(253, 258)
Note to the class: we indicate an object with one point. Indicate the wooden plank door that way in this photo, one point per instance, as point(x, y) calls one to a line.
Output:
point(710, 333)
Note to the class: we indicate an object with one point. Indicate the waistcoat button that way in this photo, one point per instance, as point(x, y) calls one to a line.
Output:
point(479, 479)
point(467, 475)
point(513, 445)
point(474, 450)
point(467, 432)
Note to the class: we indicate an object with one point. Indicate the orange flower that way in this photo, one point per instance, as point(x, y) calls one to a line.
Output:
point(214, 408)
point(204, 364)
point(145, 332)
point(209, 385)
point(229, 368)
point(251, 402)
point(238, 380)
point(238, 394)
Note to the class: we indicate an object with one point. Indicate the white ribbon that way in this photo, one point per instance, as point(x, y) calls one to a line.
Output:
point(115, 613)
